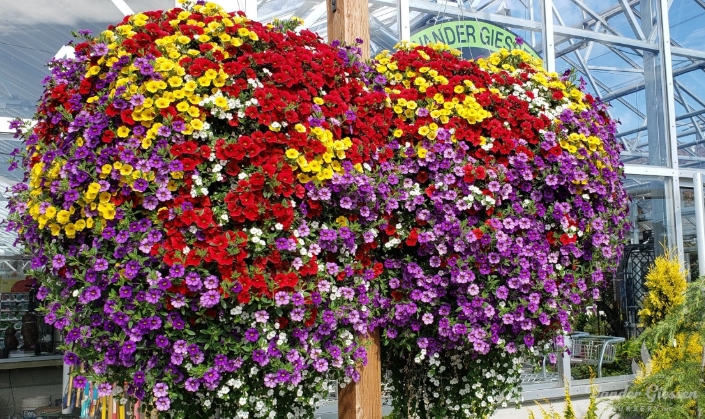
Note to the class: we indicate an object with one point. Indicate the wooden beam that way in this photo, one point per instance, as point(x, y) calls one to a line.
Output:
point(363, 400)
point(349, 21)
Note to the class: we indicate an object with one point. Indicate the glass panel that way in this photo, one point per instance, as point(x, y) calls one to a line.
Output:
point(606, 15)
point(617, 75)
point(689, 88)
point(689, 98)
point(630, 79)
point(7, 145)
point(146, 5)
point(31, 36)
point(652, 225)
point(690, 245)
point(685, 20)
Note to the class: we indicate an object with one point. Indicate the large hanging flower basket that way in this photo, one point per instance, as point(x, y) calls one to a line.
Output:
point(503, 211)
point(170, 209)
point(218, 211)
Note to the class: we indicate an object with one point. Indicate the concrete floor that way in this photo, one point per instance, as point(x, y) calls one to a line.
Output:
point(331, 412)
point(21, 383)
point(580, 406)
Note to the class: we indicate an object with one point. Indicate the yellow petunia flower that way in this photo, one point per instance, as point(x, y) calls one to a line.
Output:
point(196, 124)
point(80, 225)
point(315, 166)
point(55, 229)
point(175, 81)
point(194, 111)
point(123, 132)
point(221, 102)
point(63, 216)
point(163, 103)
point(70, 230)
point(50, 212)
point(211, 74)
point(104, 197)
point(190, 86)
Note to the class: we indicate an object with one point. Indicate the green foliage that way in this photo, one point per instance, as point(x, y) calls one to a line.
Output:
point(673, 385)
point(590, 322)
point(666, 282)
point(675, 393)
point(685, 318)
point(568, 410)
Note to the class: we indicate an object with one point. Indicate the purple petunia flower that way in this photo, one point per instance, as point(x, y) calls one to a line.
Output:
point(58, 261)
point(209, 299)
point(160, 390)
point(211, 376)
point(100, 265)
point(91, 293)
point(192, 385)
point(104, 389)
point(140, 185)
point(252, 335)
point(281, 298)
point(163, 403)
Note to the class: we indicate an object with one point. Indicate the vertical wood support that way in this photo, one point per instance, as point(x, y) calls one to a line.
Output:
point(364, 399)
point(349, 21)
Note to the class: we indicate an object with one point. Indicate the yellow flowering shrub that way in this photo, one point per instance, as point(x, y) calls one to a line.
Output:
point(666, 284)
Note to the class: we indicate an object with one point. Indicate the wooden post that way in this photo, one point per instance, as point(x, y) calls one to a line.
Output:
point(349, 21)
point(364, 399)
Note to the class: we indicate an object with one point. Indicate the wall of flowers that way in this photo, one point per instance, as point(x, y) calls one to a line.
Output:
point(219, 210)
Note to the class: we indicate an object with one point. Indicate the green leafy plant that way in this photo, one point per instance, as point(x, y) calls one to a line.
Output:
point(670, 379)
point(568, 410)
point(666, 282)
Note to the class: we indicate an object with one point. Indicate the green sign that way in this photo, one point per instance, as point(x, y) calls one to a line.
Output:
point(474, 37)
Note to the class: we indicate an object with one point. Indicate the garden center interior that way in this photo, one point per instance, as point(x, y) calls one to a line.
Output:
point(645, 57)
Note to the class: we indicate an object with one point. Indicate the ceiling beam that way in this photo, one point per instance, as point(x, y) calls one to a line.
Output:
point(123, 7)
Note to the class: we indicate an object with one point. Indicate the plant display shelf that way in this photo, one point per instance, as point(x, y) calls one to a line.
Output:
point(13, 305)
